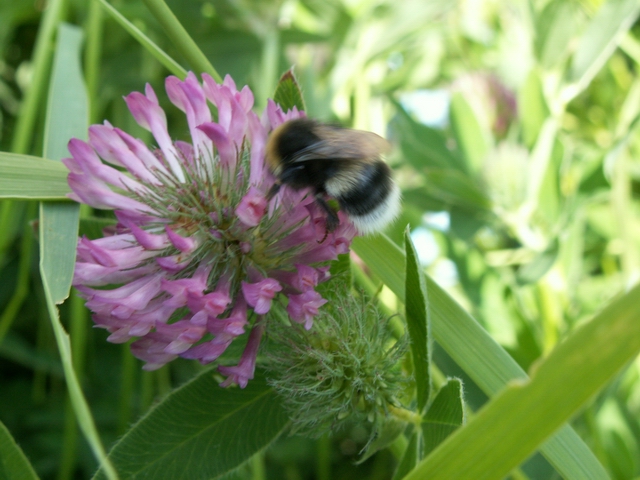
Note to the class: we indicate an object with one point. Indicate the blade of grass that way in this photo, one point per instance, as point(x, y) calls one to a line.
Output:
point(168, 62)
point(94, 31)
point(181, 38)
point(509, 428)
point(67, 116)
point(41, 61)
point(486, 362)
point(33, 178)
point(22, 282)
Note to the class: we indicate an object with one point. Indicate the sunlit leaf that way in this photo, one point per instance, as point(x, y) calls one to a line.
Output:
point(473, 140)
point(555, 26)
point(600, 39)
point(288, 93)
point(445, 415)
point(532, 108)
point(417, 313)
point(488, 364)
point(509, 428)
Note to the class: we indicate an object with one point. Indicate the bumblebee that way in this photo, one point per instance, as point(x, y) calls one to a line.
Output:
point(335, 162)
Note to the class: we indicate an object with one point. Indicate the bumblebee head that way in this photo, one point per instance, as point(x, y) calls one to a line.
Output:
point(287, 140)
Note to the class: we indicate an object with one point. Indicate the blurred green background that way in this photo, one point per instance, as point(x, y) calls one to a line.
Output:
point(515, 134)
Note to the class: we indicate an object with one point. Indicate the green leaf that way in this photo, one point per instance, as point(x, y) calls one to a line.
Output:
point(444, 416)
point(471, 347)
point(58, 239)
point(417, 313)
point(13, 462)
point(288, 93)
point(422, 146)
point(508, 429)
point(181, 38)
point(389, 432)
point(410, 458)
point(473, 140)
point(534, 270)
point(33, 178)
point(599, 41)
point(554, 28)
point(162, 57)
point(201, 430)
point(67, 115)
point(532, 107)
point(456, 188)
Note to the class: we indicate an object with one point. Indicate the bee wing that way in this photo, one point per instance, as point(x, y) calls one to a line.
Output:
point(343, 144)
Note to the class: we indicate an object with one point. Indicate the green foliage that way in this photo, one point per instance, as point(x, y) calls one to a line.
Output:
point(533, 162)
point(24, 176)
point(200, 431)
point(288, 93)
point(418, 324)
point(13, 464)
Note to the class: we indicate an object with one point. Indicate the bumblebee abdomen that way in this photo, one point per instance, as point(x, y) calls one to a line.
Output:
point(373, 201)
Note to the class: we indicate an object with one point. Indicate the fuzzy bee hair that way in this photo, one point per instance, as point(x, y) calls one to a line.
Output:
point(337, 162)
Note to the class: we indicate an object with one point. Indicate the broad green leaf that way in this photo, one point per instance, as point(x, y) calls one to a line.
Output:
point(473, 140)
point(288, 93)
point(67, 117)
point(417, 313)
point(33, 178)
point(534, 270)
point(554, 28)
point(168, 62)
point(422, 200)
point(14, 465)
point(422, 146)
point(410, 458)
point(445, 415)
point(486, 362)
point(200, 430)
point(509, 428)
point(532, 108)
point(456, 188)
point(465, 223)
point(599, 41)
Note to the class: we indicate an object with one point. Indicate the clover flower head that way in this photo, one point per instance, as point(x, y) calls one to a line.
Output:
point(198, 253)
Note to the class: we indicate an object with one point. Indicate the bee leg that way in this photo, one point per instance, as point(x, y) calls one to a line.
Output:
point(273, 191)
point(332, 220)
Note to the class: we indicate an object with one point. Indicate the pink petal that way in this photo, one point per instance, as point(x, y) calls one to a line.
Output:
point(244, 371)
point(259, 295)
point(252, 207)
point(304, 307)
